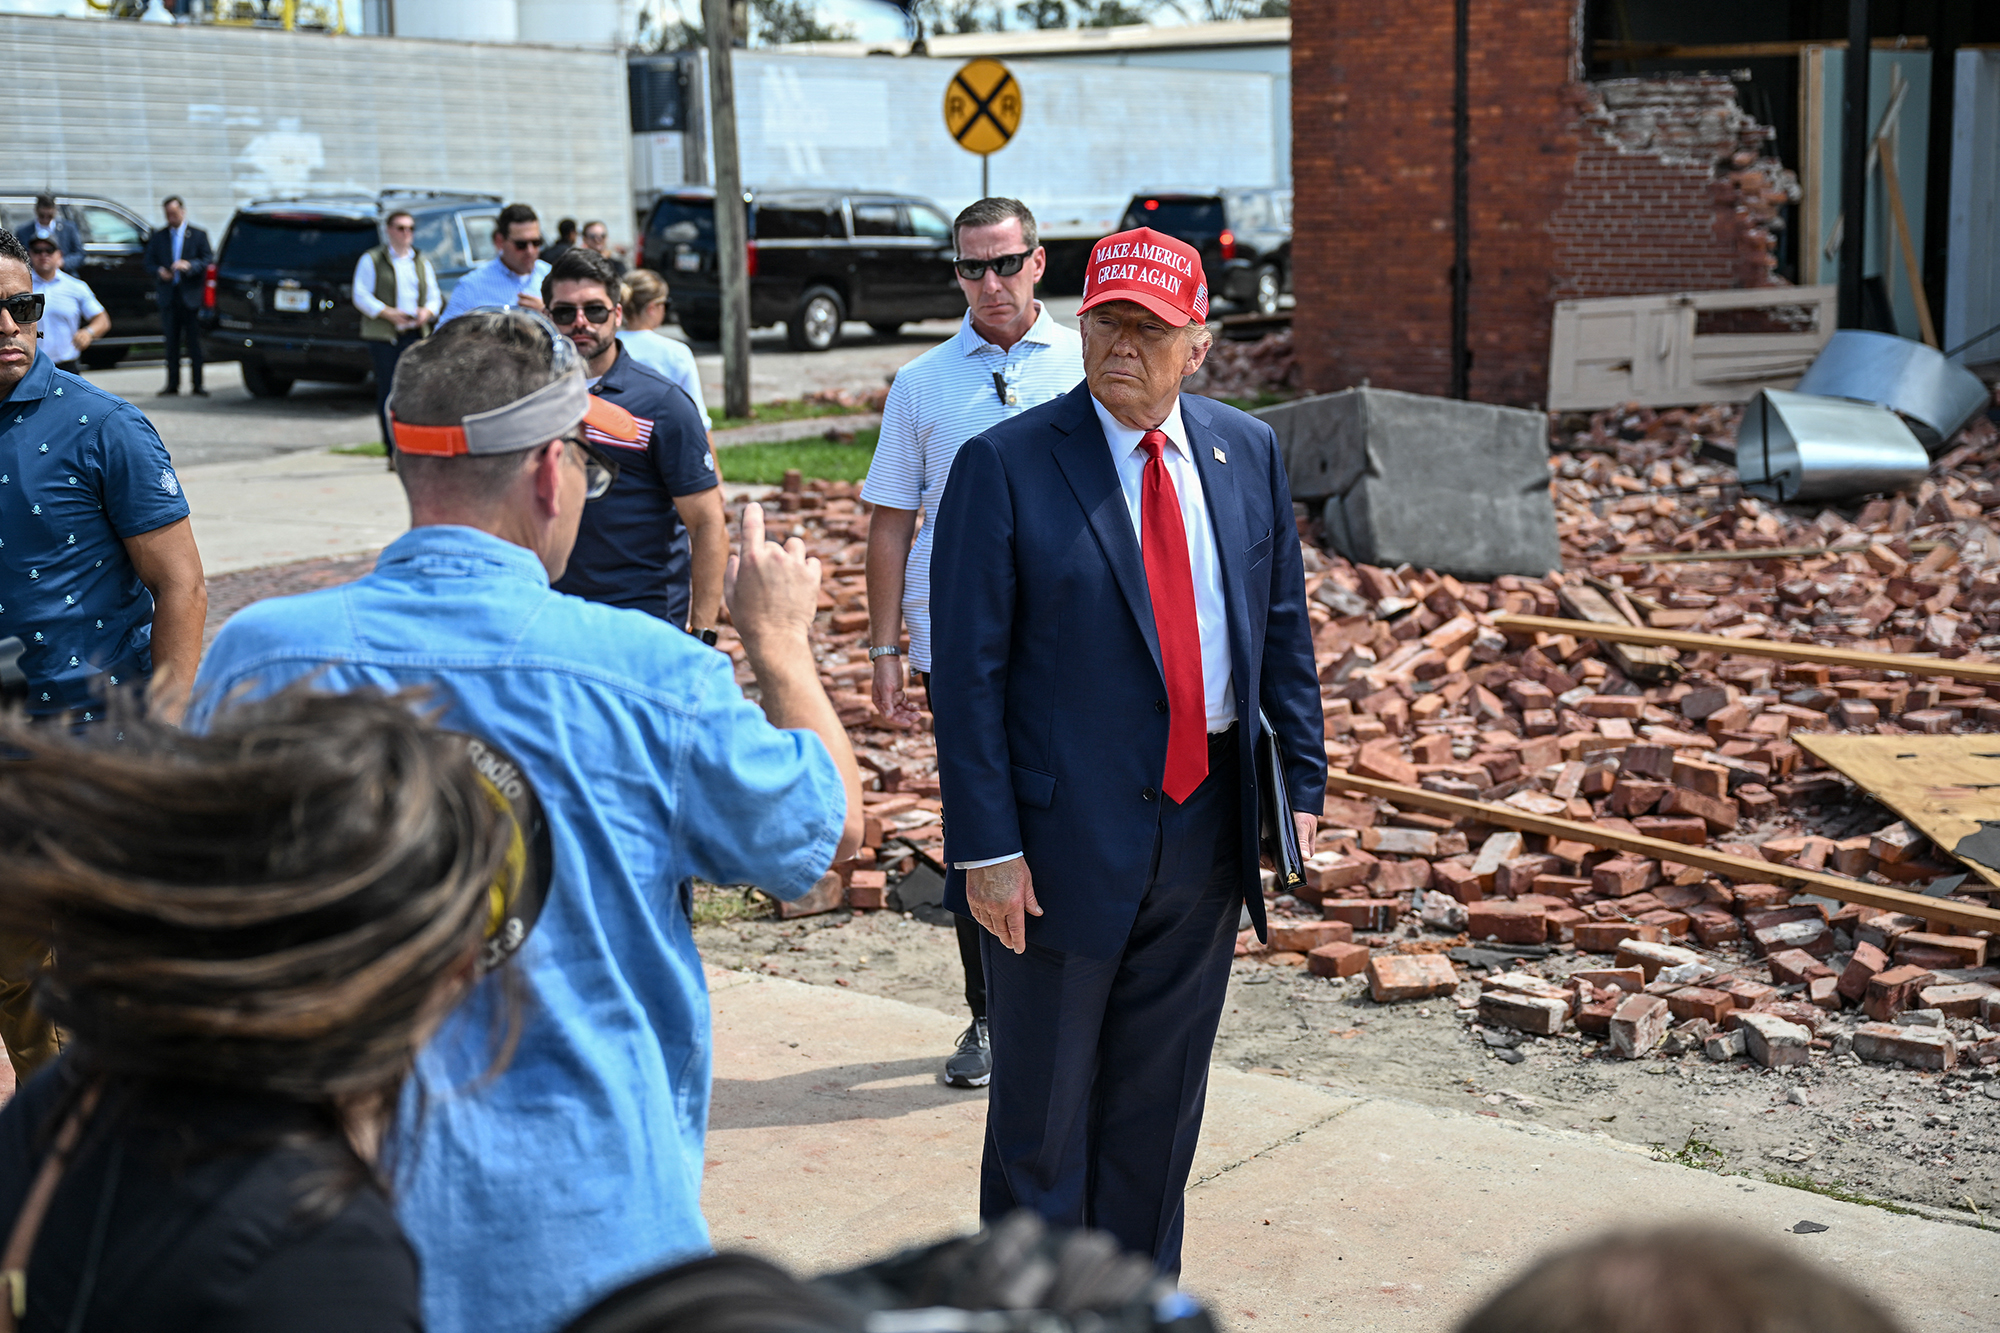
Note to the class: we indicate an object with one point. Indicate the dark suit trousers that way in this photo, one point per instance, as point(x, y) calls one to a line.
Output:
point(1100, 1066)
point(385, 355)
point(177, 326)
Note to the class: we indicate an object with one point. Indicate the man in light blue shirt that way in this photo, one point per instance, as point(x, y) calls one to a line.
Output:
point(513, 277)
point(530, 1195)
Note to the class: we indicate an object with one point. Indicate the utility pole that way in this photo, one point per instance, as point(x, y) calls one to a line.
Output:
point(731, 219)
point(1854, 165)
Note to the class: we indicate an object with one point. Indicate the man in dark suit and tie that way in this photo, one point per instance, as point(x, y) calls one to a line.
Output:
point(179, 256)
point(1118, 593)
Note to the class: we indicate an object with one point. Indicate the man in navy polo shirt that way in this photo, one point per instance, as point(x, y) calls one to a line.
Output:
point(659, 541)
point(99, 575)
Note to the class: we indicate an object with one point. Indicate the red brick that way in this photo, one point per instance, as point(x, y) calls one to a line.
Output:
point(1637, 1025)
point(1700, 1002)
point(1393, 977)
point(868, 890)
point(1305, 936)
point(1369, 914)
point(1606, 936)
point(1718, 813)
point(1382, 760)
point(1337, 959)
point(1712, 925)
point(1917, 1047)
point(1892, 992)
point(828, 895)
point(1457, 880)
point(1562, 923)
point(1958, 1001)
point(1541, 1015)
point(1688, 829)
point(1968, 950)
point(1508, 922)
point(1624, 875)
point(1793, 967)
point(1861, 968)
point(1400, 876)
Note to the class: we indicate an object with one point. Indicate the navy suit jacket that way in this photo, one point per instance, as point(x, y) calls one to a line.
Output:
point(186, 287)
point(1045, 670)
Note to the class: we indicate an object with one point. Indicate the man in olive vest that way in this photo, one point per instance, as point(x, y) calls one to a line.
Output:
point(396, 291)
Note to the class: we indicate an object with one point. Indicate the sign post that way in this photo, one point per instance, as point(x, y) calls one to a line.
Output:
point(982, 109)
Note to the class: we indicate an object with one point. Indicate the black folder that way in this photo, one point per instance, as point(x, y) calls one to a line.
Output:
point(1278, 834)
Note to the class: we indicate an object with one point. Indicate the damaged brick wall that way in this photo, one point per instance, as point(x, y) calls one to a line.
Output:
point(1671, 191)
point(1618, 188)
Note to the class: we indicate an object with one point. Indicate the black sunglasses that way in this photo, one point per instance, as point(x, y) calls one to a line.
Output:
point(972, 270)
point(599, 471)
point(532, 243)
point(564, 312)
point(25, 308)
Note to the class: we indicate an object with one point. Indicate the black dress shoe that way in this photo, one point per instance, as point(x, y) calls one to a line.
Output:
point(201, 393)
point(169, 392)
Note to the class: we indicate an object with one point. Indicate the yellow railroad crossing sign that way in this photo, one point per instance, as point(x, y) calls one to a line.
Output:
point(982, 107)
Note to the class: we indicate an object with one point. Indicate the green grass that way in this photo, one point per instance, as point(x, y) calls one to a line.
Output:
point(819, 458)
point(1696, 1154)
point(369, 449)
point(716, 906)
point(789, 409)
point(1833, 1189)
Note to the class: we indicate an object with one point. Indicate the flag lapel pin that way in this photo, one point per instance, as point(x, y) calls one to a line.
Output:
point(1220, 457)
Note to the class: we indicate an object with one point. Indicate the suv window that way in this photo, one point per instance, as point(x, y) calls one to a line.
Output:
point(1248, 211)
point(929, 223)
point(105, 227)
point(319, 245)
point(686, 222)
point(479, 235)
point(877, 220)
point(1175, 217)
point(796, 224)
point(437, 237)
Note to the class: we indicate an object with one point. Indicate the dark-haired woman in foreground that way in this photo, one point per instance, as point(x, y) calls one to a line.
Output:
point(253, 931)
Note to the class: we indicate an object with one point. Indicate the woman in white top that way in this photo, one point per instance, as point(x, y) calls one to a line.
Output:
point(643, 294)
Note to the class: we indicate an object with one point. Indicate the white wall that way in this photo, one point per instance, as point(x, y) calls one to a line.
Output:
point(221, 116)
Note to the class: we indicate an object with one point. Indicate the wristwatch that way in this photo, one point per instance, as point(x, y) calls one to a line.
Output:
point(884, 650)
point(707, 636)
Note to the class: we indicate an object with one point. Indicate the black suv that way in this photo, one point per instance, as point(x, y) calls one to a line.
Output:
point(817, 259)
point(1245, 238)
point(114, 264)
point(281, 295)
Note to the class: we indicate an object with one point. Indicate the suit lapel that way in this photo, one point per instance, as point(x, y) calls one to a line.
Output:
point(1225, 514)
point(1085, 459)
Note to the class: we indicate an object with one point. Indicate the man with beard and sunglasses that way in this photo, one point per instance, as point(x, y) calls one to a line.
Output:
point(1009, 355)
point(514, 274)
point(660, 540)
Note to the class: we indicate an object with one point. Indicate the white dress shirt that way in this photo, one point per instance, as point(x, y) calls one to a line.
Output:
point(1129, 458)
point(414, 291)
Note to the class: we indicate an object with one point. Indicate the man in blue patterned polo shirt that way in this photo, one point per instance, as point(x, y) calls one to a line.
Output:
point(99, 575)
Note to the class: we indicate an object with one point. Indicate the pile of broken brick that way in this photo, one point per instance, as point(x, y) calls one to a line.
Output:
point(1422, 688)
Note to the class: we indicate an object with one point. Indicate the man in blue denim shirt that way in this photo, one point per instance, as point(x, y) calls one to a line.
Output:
point(531, 1195)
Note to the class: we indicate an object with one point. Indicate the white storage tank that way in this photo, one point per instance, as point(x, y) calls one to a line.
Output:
point(458, 20)
point(572, 22)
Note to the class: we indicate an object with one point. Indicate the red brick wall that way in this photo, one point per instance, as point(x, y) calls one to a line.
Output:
point(1557, 208)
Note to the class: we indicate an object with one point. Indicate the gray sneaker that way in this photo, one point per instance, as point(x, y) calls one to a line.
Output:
point(971, 1065)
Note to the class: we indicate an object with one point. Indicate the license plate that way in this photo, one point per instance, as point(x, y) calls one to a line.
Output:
point(687, 263)
point(284, 299)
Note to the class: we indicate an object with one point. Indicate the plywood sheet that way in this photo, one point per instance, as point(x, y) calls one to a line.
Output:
point(1943, 785)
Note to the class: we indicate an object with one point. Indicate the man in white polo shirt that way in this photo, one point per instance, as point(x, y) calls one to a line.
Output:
point(72, 316)
point(1008, 355)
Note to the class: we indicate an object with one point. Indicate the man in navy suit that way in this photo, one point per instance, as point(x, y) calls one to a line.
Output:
point(1118, 592)
point(178, 255)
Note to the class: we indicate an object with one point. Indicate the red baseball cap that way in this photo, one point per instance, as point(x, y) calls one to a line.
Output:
point(1150, 267)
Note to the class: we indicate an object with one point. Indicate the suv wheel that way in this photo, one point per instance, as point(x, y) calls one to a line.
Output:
point(886, 328)
point(103, 358)
point(815, 325)
point(698, 331)
point(261, 383)
point(1269, 288)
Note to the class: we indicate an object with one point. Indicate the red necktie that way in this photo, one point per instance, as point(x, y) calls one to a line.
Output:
point(1170, 582)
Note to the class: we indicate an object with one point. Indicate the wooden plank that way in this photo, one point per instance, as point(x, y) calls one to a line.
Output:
point(1943, 785)
point(1963, 916)
point(1756, 553)
point(1978, 673)
point(1638, 664)
point(1612, 49)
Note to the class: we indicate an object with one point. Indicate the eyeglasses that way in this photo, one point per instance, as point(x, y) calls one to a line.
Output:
point(598, 469)
point(972, 270)
point(532, 243)
point(402, 226)
point(564, 313)
point(593, 238)
point(25, 308)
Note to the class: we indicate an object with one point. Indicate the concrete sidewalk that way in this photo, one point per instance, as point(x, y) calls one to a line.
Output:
point(298, 506)
point(831, 1142)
